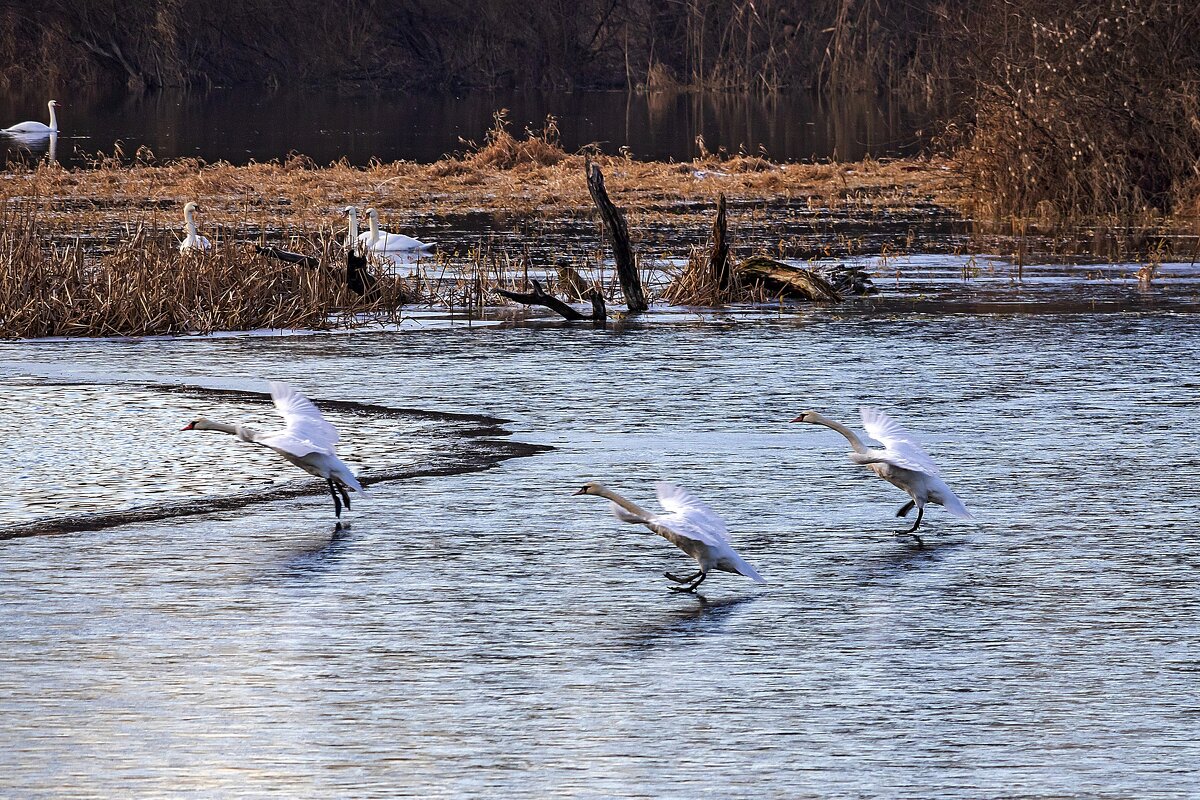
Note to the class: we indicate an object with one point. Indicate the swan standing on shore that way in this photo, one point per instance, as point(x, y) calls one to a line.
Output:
point(32, 127)
point(306, 440)
point(192, 240)
point(689, 524)
point(901, 463)
point(379, 241)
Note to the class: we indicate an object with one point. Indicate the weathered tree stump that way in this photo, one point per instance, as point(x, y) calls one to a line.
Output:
point(719, 263)
point(539, 297)
point(618, 237)
point(785, 280)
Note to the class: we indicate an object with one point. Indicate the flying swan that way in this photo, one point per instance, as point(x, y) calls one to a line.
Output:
point(306, 440)
point(192, 240)
point(689, 524)
point(901, 463)
point(34, 127)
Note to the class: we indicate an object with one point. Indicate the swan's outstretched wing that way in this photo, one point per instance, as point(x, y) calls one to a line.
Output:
point(689, 516)
point(305, 430)
point(903, 449)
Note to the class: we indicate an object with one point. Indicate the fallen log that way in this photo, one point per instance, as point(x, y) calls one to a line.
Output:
point(618, 237)
point(784, 280)
point(287, 256)
point(539, 297)
point(358, 278)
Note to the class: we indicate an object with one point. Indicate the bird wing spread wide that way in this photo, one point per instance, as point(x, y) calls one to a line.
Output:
point(305, 431)
point(903, 449)
point(690, 516)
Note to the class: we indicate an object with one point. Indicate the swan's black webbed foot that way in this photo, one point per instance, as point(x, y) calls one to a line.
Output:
point(917, 524)
point(337, 502)
point(691, 587)
point(688, 579)
point(920, 542)
point(907, 507)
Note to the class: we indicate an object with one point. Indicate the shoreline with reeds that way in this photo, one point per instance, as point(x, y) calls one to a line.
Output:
point(93, 252)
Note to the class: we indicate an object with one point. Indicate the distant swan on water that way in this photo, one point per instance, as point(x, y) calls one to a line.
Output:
point(39, 128)
point(689, 524)
point(902, 462)
point(380, 241)
point(307, 440)
point(192, 241)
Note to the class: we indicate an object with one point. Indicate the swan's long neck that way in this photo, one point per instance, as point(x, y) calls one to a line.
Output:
point(191, 223)
point(53, 117)
point(243, 433)
point(850, 435)
point(633, 508)
point(374, 218)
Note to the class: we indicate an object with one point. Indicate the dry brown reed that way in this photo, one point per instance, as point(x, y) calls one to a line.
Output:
point(144, 286)
point(1084, 110)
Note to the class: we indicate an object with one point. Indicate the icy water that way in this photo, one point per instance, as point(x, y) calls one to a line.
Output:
point(240, 125)
point(484, 633)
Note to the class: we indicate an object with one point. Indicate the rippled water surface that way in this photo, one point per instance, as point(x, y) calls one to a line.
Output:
point(488, 634)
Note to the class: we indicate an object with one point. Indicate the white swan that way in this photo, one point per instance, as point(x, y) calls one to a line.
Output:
point(306, 440)
point(33, 127)
point(689, 524)
point(192, 240)
point(901, 463)
point(378, 241)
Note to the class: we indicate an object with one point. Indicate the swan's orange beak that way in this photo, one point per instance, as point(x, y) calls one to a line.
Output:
point(190, 426)
point(581, 491)
point(799, 418)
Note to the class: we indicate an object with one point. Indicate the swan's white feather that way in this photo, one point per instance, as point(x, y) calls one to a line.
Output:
point(901, 448)
point(305, 430)
point(691, 511)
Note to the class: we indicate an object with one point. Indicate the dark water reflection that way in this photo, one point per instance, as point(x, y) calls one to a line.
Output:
point(239, 125)
point(488, 634)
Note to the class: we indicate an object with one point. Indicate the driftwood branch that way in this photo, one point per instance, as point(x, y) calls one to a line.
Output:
point(539, 297)
point(358, 278)
point(618, 237)
point(788, 281)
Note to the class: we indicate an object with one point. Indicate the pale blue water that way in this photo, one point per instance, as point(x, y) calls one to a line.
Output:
point(488, 634)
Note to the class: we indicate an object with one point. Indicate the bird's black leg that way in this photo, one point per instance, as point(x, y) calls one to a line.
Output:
point(688, 579)
point(917, 524)
point(691, 587)
point(907, 507)
point(345, 497)
point(337, 501)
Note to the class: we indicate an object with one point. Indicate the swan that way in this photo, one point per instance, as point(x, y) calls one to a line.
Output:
point(376, 240)
point(34, 127)
point(901, 463)
point(352, 237)
point(193, 241)
point(306, 440)
point(689, 524)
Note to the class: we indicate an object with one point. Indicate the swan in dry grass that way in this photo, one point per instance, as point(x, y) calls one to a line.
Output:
point(307, 440)
point(352, 237)
point(32, 127)
point(380, 241)
point(902, 462)
point(689, 524)
point(192, 240)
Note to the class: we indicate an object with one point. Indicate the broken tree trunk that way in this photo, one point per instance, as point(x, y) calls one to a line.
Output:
point(784, 280)
point(718, 258)
point(539, 297)
point(618, 236)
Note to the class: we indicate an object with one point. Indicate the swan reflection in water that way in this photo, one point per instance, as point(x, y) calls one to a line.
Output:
point(701, 618)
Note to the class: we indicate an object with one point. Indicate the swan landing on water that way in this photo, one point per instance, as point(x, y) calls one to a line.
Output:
point(32, 127)
point(307, 440)
point(902, 462)
point(689, 524)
